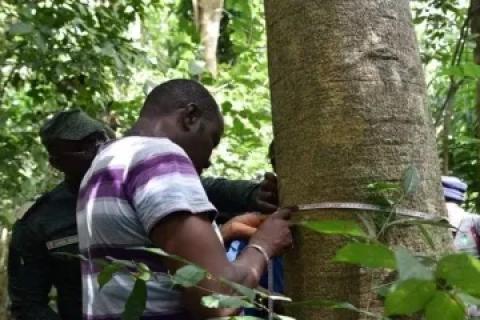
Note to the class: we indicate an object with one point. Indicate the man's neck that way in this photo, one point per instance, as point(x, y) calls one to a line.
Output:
point(147, 128)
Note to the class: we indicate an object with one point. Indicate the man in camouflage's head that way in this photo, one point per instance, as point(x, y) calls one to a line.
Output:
point(72, 139)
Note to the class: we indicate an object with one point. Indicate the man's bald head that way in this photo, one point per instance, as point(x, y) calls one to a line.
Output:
point(179, 93)
point(187, 114)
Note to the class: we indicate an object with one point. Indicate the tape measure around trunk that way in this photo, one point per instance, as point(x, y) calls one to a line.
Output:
point(366, 207)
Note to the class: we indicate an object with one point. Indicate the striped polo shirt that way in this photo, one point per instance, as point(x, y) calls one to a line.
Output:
point(132, 184)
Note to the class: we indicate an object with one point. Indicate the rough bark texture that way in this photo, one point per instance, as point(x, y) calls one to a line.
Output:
point(349, 108)
point(475, 27)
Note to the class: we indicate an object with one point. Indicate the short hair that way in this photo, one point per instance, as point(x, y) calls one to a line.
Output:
point(173, 94)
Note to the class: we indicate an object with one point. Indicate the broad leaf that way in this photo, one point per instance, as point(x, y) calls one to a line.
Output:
point(461, 271)
point(336, 227)
point(219, 301)
point(468, 299)
point(410, 180)
point(136, 302)
point(444, 307)
point(107, 273)
point(409, 267)
point(409, 297)
point(367, 255)
point(144, 272)
point(188, 276)
point(157, 251)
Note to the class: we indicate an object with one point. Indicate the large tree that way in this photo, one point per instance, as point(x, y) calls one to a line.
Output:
point(475, 26)
point(348, 99)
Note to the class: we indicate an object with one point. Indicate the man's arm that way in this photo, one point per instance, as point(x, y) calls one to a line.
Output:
point(232, 197)
point(192, 237)
point(29, 278)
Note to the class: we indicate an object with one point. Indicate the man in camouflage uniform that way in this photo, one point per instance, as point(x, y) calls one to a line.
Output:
point(40, 239)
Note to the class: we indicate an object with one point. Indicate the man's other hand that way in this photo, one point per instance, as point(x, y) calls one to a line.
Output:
point(241, 227)
point(266, 197)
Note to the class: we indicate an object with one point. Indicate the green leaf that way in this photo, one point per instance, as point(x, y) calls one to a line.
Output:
point(426, 236)
point(157, 251)
point(468, 299)
point(444, 307)
point(107, 273)
point(409, 267)
point(20, 28)
point(461, 271)
point(144, 272)
point(250, 294)
point(410, 181)
point(408, 297)
point(188, 276)
point(136, 302)
point(336, 227)
point(219, 301)
point(367, 255)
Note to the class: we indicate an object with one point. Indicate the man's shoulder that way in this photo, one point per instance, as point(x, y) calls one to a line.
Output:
point(46, 202)
point(138, 143)
point(130, 149)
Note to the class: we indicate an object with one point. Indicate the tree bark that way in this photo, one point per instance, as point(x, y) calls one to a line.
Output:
point(208, 15)
point(348, 104)
point(475, 28)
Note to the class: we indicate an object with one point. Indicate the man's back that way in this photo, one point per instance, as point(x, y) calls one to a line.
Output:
point(37, 262)
point(132, 184)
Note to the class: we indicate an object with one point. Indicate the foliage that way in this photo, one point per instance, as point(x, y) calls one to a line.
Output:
point(436, 286)
point(55, 55)
point(104, 57)
point(447, 46)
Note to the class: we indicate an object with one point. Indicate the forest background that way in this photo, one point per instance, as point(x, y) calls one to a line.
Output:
point(104, 56)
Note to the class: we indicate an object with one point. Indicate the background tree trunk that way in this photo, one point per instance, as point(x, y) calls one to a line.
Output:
point(348, 98)
point(4, 242)
point(208, 15)
point(475, 28)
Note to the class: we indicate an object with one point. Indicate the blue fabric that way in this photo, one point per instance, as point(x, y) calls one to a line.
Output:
point(454, 183)
point(453, 188)
point(234, 251)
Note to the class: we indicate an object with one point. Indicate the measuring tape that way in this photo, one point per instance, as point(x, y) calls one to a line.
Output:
point(366, 207)
point(346, 206)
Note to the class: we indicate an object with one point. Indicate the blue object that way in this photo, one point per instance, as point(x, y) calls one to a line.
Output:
point(234, 251)
point(453, 188)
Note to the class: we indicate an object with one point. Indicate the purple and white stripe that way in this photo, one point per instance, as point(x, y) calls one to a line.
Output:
point(132, 184)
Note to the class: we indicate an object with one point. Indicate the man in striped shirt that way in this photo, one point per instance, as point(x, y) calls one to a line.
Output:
point(144, 191)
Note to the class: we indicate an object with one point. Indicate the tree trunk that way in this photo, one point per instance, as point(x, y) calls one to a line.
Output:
point(475, 27)
point(348, 98)
point(208, 15)
point(4, 242)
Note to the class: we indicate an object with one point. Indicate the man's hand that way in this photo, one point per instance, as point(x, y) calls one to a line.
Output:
point(274, 234)
point(266, 197)
point(241, 227)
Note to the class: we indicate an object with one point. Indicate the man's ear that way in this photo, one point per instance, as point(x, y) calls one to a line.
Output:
point(191, 116)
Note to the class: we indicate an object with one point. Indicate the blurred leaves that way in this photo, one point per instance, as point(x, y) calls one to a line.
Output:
point(100, 56)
